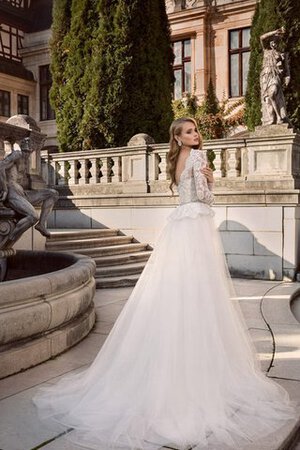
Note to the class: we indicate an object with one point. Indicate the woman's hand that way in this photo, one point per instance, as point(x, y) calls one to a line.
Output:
point(207, 171)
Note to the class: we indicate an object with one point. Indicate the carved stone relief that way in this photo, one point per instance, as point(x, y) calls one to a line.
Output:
point(170, 6)
point(190, 4)
point(178, 5)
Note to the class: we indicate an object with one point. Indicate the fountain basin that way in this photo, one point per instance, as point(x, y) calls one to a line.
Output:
point(46, 307)
point(295, 305)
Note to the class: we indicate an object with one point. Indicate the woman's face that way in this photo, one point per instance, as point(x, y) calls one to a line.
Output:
point(189, 135)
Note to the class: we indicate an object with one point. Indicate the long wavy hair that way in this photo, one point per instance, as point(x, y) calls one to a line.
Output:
point(173, 154)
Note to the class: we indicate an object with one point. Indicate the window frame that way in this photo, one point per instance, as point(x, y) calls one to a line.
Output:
point(14, 35)
point(20, 104)
point(184, 59)
point(45, 83)
point(240, 50)
point(3, 104)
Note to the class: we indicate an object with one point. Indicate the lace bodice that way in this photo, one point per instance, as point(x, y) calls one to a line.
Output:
point(193, 184)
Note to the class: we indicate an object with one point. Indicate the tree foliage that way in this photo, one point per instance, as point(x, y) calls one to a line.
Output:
point(118, 77)
point(215, 120)
point(60, 27)
point(270, 15)
point(289, 13)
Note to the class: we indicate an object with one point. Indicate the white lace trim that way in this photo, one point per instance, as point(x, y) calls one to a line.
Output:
point(191, 210)
point(193, 184)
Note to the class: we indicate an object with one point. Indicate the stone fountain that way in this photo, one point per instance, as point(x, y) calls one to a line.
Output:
point(46, 298)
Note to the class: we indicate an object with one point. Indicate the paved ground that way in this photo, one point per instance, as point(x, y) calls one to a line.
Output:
point(275, 331)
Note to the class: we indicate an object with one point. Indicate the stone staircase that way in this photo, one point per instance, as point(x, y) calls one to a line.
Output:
point(119, 259)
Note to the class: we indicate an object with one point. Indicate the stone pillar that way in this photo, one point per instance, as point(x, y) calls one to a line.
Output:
point(200, 69)
point(274, 157)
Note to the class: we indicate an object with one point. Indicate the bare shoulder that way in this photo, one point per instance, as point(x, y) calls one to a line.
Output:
point(181, 164)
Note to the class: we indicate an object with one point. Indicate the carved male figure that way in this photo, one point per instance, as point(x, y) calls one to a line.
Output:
point(16, 193)
point(275, 73)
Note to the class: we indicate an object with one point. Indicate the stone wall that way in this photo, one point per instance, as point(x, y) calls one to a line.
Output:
point(259, 241)
point(257, 182)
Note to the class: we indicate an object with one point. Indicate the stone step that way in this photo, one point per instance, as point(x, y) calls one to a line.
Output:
point(70, 234)
point(116, 282)
point(112, 250)
point(120, 271)
point(116, 260)
point(88, 243)
point(119, 259)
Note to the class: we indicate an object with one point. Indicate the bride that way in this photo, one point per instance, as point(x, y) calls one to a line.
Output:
point(177, 369)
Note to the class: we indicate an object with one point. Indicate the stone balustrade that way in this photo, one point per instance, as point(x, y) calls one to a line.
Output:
point(133, 168)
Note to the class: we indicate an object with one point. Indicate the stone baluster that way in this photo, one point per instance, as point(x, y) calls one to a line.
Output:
point(62, 172)
point(105, 170)
point(73, 171)
point(52, 172)
point(218, 163)
point(232, 170)
point(94, 171)
point(83, 171)
point(154, 167)
point(162, 166)
point(116, 174)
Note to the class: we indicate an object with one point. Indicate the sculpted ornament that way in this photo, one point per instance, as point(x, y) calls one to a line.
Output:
point(274, 75)
point(17, 195)
point(170, 6)
point(178, 5)
point(190, 3)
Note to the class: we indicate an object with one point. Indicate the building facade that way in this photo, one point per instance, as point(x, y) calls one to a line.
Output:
point(210, 40)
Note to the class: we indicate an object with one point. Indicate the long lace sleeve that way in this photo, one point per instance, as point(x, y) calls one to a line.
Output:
point(202, 187)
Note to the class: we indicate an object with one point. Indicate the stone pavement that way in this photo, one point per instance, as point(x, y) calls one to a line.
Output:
point(275, 332)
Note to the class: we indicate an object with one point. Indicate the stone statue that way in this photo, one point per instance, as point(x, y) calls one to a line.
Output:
point(178, 5)
point(190, 3)
point(275, 73)
point(170, 6)
point(16, 193)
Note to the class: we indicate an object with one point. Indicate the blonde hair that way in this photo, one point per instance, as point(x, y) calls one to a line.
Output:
point(173, 154)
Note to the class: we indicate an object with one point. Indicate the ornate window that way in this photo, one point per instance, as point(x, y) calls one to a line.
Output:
point(23, 104)
point(46, 112)
point(182, 68)
point(4, 103)
point(239, 54)
point(10, 42)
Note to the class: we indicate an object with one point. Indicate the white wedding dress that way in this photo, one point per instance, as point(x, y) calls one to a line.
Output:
point(178, 368)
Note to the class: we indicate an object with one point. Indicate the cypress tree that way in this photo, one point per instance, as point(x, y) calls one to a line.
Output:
point(61, 14)
point(289, 12)
point(132, 82)
point(149, 75)
point(75, 59)
point(266, 18)
point(113, 77)
point(106, 76)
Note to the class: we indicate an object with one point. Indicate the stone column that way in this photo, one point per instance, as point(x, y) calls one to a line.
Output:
point(200, 58)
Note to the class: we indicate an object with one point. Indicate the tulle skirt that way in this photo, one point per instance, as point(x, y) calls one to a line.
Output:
point(178, 368)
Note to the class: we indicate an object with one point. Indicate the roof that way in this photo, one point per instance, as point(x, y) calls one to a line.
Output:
point(37, 17)
point(15, 69)
point(41, 15)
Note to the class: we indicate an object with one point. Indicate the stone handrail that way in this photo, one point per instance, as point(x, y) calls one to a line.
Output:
point(265, 159)
point(138, 165)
